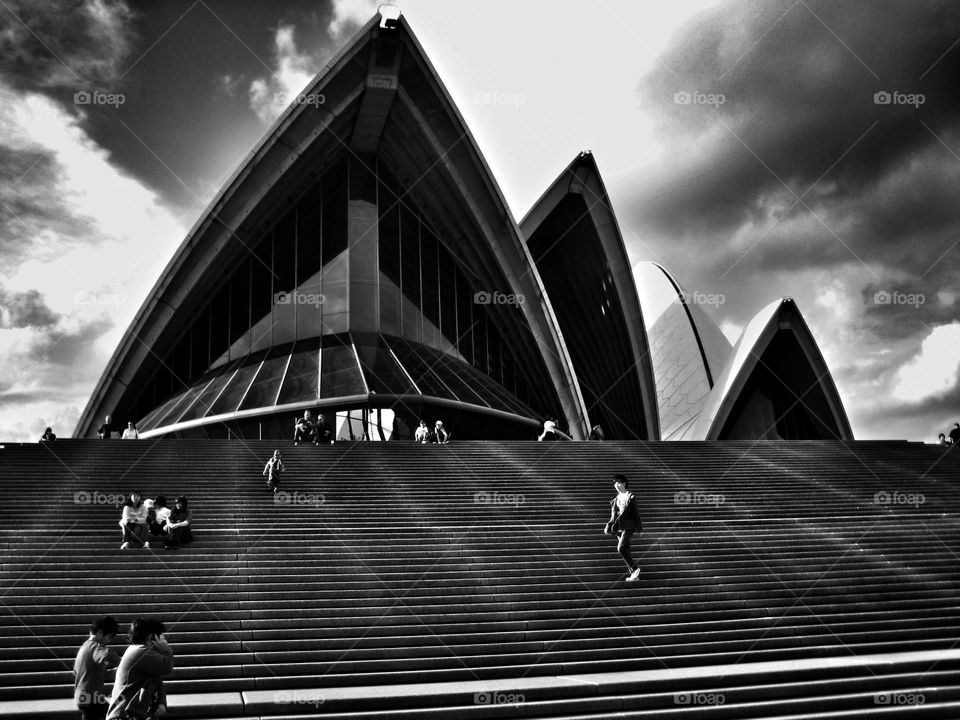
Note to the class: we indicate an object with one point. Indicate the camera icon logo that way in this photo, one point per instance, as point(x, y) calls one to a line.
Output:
point(482, 298)
point(682, 98)
point(82, 98)
point(882, 98)
point(882, 297)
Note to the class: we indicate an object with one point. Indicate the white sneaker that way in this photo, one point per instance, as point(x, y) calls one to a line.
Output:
point(634, 576)
point(125, 546)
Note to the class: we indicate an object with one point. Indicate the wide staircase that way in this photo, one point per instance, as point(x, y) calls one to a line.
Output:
point(473, 580)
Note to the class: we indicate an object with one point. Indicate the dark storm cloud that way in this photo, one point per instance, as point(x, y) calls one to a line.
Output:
point(61, 346)
point(798, 82)
point(25, 310)
point(50, 44)
point(30, 206)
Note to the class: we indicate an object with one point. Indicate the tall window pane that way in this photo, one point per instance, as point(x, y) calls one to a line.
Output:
point(310, 264)
point(261, 295)
point(389, 254)
point(448, 300)
point(336, 310)
point(285, 303)
point(410, 273)
point(431, 287)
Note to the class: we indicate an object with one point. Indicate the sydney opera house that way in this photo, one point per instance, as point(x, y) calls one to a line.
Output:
point(362, 262)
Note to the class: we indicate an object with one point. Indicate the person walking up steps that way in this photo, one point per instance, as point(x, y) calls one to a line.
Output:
point(624, 522)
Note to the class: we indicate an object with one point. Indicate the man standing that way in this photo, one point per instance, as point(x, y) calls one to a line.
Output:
point(94, 660)
point(138, 690)
point(105, 430)
point(625, 521)
point(955, 434)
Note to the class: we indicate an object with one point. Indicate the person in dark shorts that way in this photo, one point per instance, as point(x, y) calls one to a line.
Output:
point(624, 522)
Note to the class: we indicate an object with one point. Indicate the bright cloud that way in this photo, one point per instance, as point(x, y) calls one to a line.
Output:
point(349, 14)
point(87, 234)
point(294, 69)
point(934, 371)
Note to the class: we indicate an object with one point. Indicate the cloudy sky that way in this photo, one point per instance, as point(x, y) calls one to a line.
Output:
point(757, 149)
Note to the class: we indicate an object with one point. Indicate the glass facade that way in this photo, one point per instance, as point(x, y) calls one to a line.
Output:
point(350, 292)
point(352, 367)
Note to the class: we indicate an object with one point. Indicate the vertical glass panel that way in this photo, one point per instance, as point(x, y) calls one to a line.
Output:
point(310, 263)
point(389, 255)
point(303, 373)
point(410, 273)
point(219, 325)
point(363, 179)
point(179, 363)
point(494, 344)
point(200, 345)
point(231, 396)
point(382, 372)
point(362, 235)
point(336, 306)
point(480, 337)
point(448, 300)
point(240, 311)
point(464, 317)
point(336, 309)
point(261, 295)
point(509, 372)
point(341, 374)
point(285, 299)
point(431, 287)
point(263, 390)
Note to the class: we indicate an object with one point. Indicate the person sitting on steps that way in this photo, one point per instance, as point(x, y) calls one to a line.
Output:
point(178, 525)
point(305, 429)
point(134, 522)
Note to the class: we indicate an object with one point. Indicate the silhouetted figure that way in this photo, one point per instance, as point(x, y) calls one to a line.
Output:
point(105, 431)
point(597, 433)
point(48, 436)
point(955, 434)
